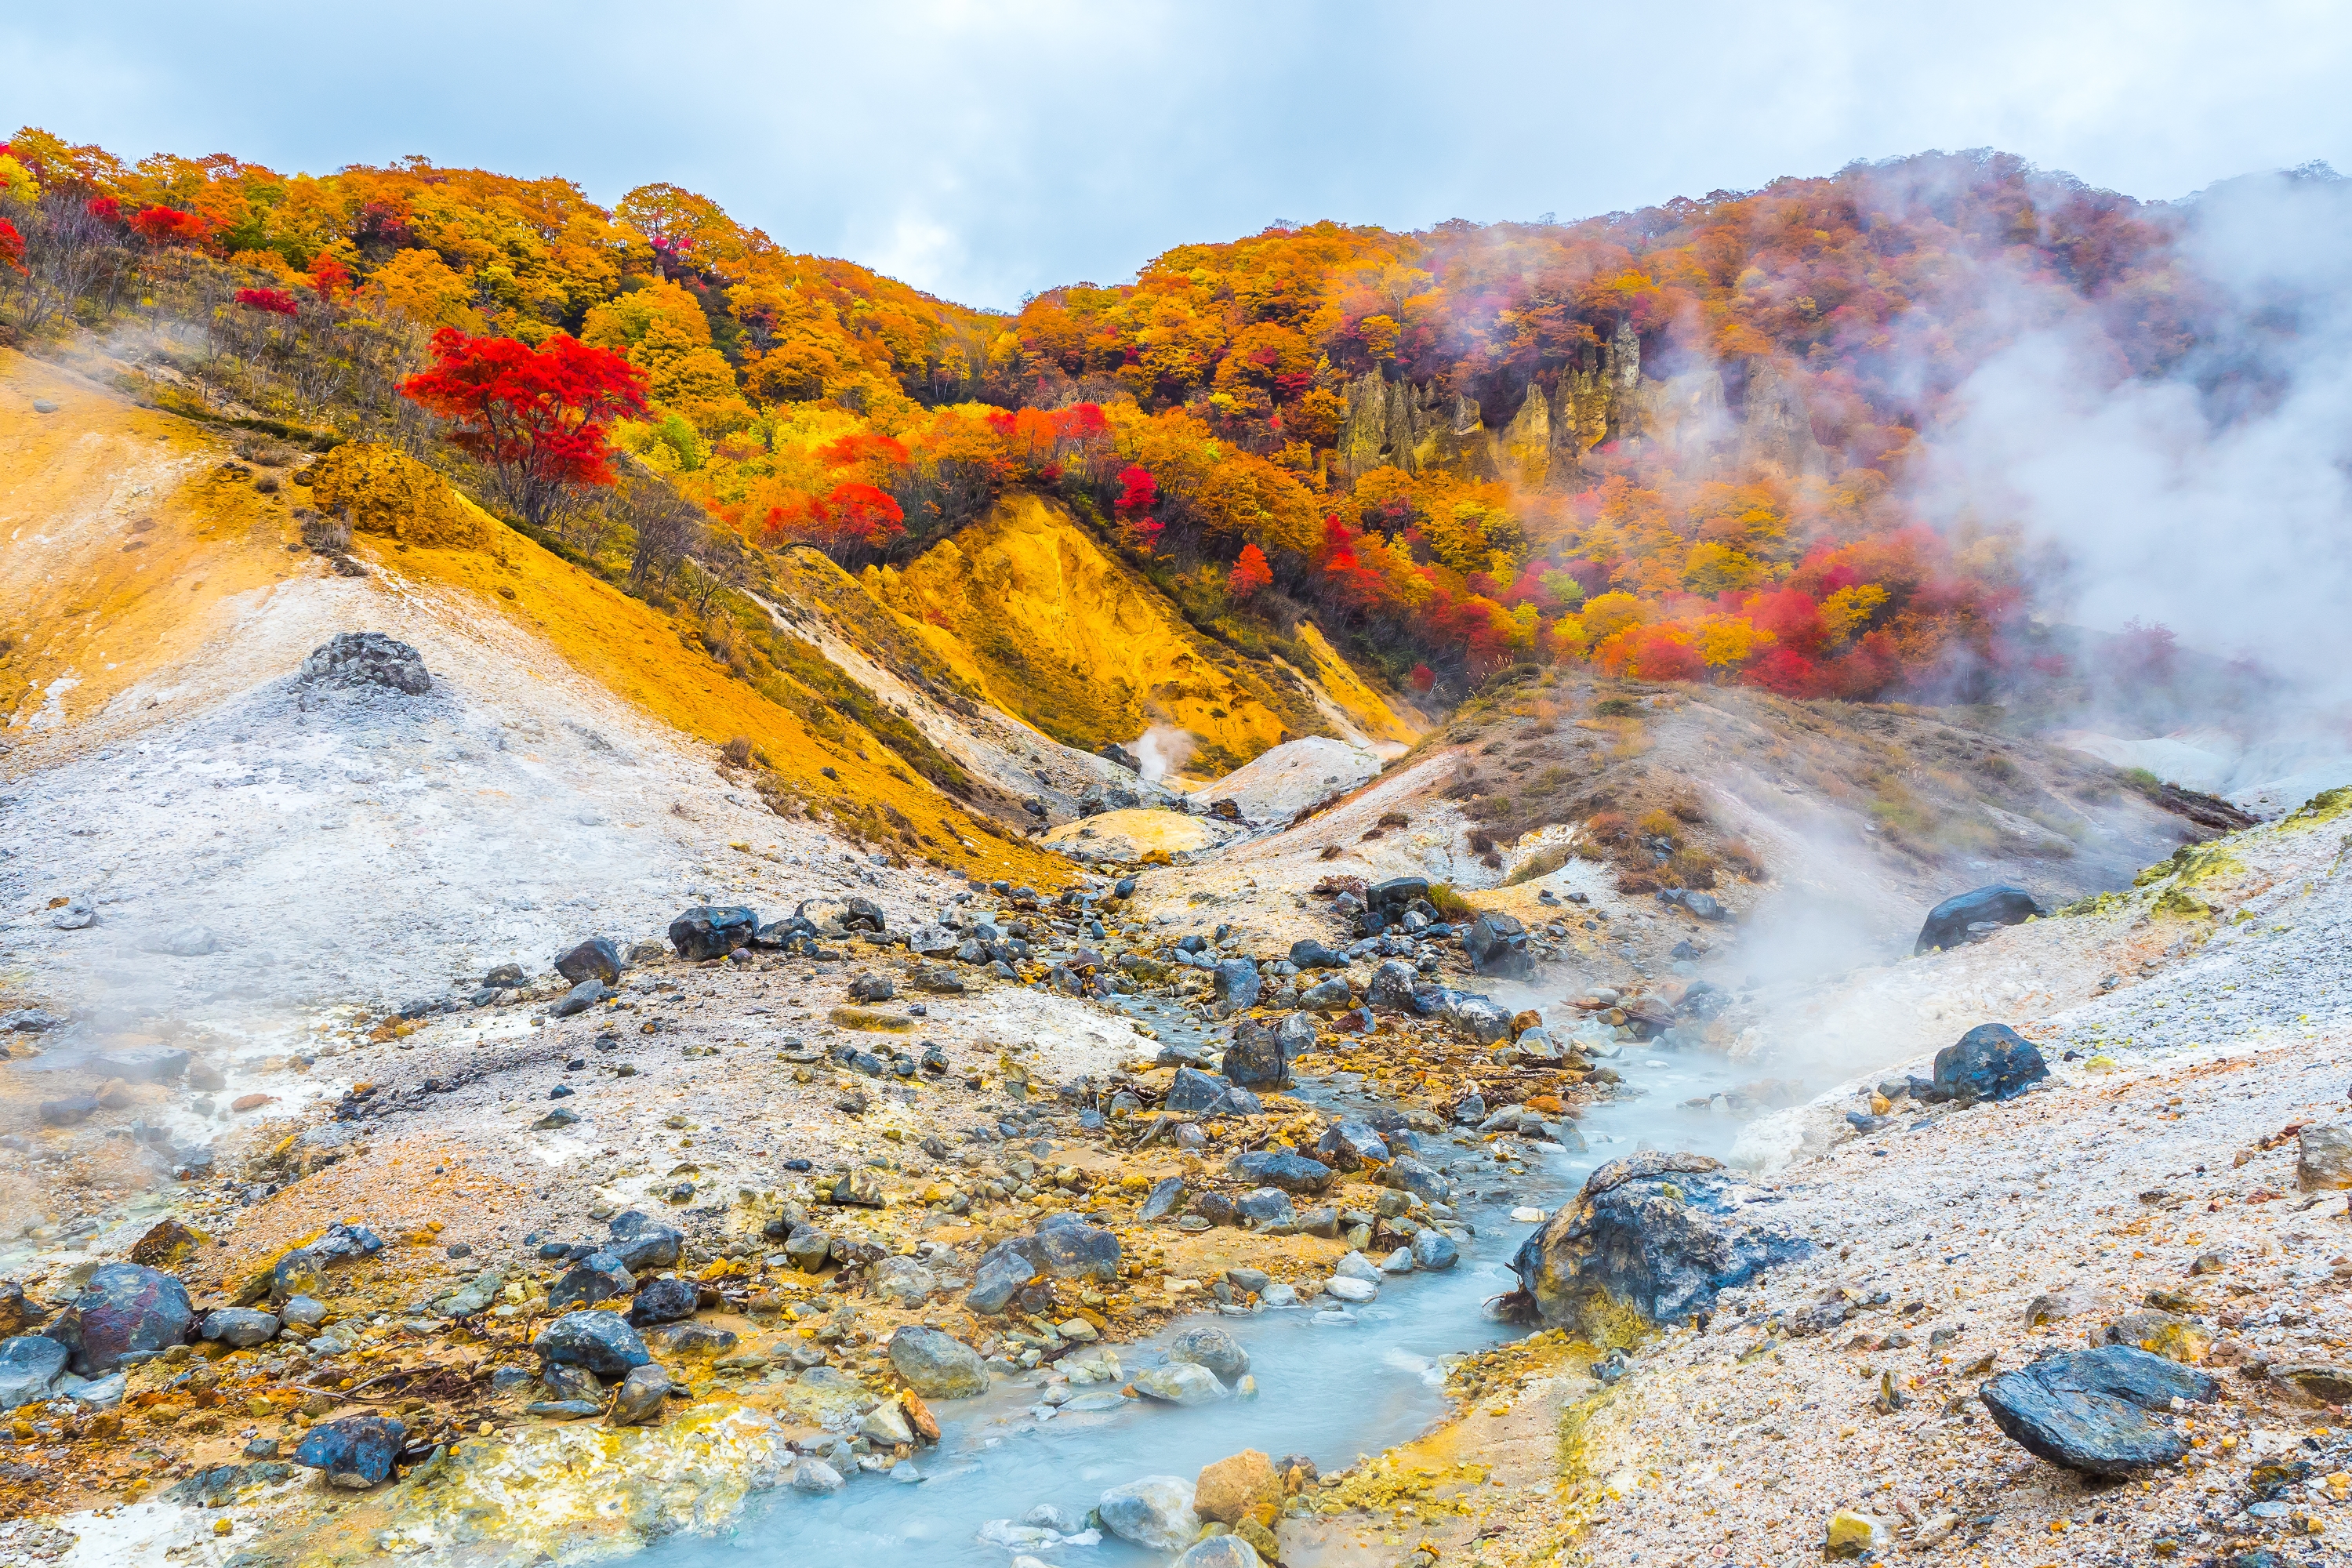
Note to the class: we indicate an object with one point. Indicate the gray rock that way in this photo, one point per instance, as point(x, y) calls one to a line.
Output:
point(1068, 1249)
point(1651, 1239)
point(1309, 954)
point(902, 1281)
point(241, 1327)
point(1265, 1208)
point(886, 1427)
point(1255, 1060)
point(1005, 1271)
point(1155, 1513)
point(808, 1248)
point(2091, 1411)
point(1167, 1196)
point(124, 1308)
point(580, 998)
point(1191, 1093)
point(872, 988)
point(1179, 1383)
point(712, 930)
point(643, 1243)
point(306, 1310)
point(1397, 894)
point(598, 1276)
point(1972, 915)
point(183, 942)
point(1398, 1262)
point(367, 658)
point(1434, 1250)
point(693, 1338)
point(664, 1300)
point(1392, 984)
point(29, 1021)
point(30, 1365)
point(639, 1397)
point(1220, 1552)
point(1408, 1175)
point(1496, 944)
point(595, 959)
point(352, 1451)
point(1237, 983)
point(1992, 1061)
point(600, 1342)
point(1477, 1016)
point(69, 1109)
point(1211, 1348)
point(572, 1384)
point(937, 1366)
point(1356, 1266)
point(814, 1476)
point(1291, 1173)
point(1330, 996)
point(2324, 1158)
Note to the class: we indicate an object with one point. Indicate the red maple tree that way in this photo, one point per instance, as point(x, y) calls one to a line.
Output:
point(170, 226)
point(12, 248)
point(1250, 573)
point(277, 301)
point(538, 417)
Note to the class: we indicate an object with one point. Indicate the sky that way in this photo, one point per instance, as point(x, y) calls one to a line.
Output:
point(986, 151)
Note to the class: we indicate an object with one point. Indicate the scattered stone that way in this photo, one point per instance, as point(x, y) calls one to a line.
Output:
point(1852, 1535)
point(1650, 1239)
point(241, 1327)
point(1291, 1173)
point(2324, 1158)
point(30, 1365)
point(1213, 1348)
point(1345, 1145)
point(664, 1300)
point(2321, 1381)
point(1260, 1209)
point(68, 1111)
point(600, 1342)
point(368, 659)
point(580, 998)
point(872, 988)
point(937, 1366)
point(1190, 1093)
point(1434, 1250)
point(2089, 1410)
point(1496, 944)
point(902, 1281)
point(1236, 981)
point(1167, 1196)
point(639, 1398)
point(1179, 1383)
point(1155, 1513)
point(1237, 1488)
point(595, 959)
point(712, 930)
point(124, 1308)
point(1330, 996)
point(598, 1276)
point(1992, 1061)
point(352, 1451)
point(1408, 1175)
point(1970, 917)
point(886, 1427)
point(643, 1243)
point(306, 1310)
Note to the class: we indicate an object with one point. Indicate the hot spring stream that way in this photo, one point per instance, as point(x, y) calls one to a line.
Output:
point(1330, 1392)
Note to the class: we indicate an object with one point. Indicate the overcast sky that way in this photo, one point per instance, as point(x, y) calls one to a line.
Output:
point(988, 151)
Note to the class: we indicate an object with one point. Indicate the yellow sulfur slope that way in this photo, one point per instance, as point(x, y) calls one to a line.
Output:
point(1030, 609)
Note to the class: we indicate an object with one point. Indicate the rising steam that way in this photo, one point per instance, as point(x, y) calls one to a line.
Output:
point(1164, 750)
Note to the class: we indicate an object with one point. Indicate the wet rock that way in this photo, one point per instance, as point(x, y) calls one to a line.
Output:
point(241, 1327)
point(1353, 1291)
point(367, 658)
point(1213, 1348)
point(808, 1248)
point(643, 1243)
point(1256, 1058)
point(1650, 1240)
point(2321, 1381)
point(1470, 1110)
point(664, 1300)
point(1237, 983)
point(69, 1109)
point(124, 1308)
point(1261, 1208)
point(580, 998)
point(1434, 1250)
point(1003, 1272)
point(1309, 954)
point(639, 1398)
point(1969, 917)
point(2324, 1158)
point(1392, 984)
point(1398, 1262)
point(902, 1281)
point(306, 1310)
point(1477, 1016)
point(1220, 1552)
point(1179, 1383)
point(1291, 1173)
point(1167, 1196)
point(1194, 1092)
point(1408, 1175)
point(2091, 1410)
point(598, 1276)
point(599, 1341)
point(886, 1427)
point(1237, 1488)
point(30, 1365)
point(1992, 1061)
point(572, 1386)
point(595, 959)
point(712, 930)
point(352, 1451)
point(1345, 1145)
point(1068, 1249)
point(1155, 1512)
point(816, 1477)
point(937, 1366)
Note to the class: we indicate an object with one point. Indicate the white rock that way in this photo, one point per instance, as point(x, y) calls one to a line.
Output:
point(1154, 1512)
point(1348, 1289)
point(1526, 1215)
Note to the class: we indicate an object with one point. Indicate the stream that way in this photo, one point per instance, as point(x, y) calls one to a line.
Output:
point(1331, 1392)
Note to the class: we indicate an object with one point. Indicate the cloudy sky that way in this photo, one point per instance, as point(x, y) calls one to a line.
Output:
point(988, 151)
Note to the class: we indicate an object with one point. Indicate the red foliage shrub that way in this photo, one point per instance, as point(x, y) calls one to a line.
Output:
point(537, 416)
point(277, 301)
point(169, 226)
point(12, 248)
point(1250, 573)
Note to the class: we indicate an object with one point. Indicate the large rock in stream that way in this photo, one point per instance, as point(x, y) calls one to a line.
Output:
point(2097, 1410)
point(1650, 1240)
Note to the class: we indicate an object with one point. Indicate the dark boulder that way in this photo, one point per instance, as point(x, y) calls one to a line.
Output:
point(1006, 1269)
point(598, 1276)
point(367, 658)
point(2094, 1411)
point(862, 914)
point(712, 930)
point(1393, 986)
point(354, 1451)
point(1309, 954)
point(124, 1309)
point(580, 998)
point(872, 988)
point(1167, 1196)
point(1479, 1017)
point(1330, 996)
point(1067, 1248)
point(599, 1341)
point(1291, 1173)
point(1237, 983)
point(1397, 894)
point(1257, 1057)
point(1345, 1145)
point(144, 1064)
point(1992, 1061)
point(1265, 1208)
point(1496, 944)
point(643, 1243)
point(1411, 1175)
point(1649, 1241)
point(1194, 1092)
point(1972, 917)
point(595, 959)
